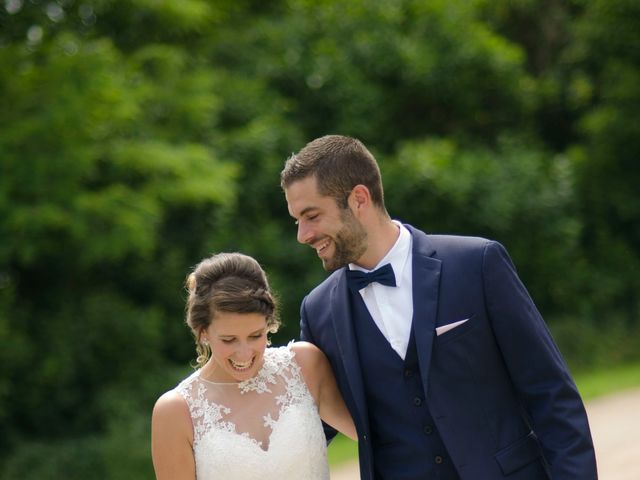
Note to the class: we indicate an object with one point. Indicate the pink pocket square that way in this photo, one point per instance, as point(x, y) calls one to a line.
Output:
point(446, 328)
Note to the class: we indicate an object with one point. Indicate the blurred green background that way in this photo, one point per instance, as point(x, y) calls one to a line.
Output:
point(137, 137)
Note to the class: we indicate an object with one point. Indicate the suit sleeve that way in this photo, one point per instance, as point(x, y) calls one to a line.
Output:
point(537, 370)
point(306, 335)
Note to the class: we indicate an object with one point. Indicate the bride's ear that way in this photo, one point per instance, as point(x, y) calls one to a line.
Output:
point(201, 338)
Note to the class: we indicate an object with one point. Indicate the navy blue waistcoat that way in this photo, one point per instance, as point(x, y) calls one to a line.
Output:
point(406, 444)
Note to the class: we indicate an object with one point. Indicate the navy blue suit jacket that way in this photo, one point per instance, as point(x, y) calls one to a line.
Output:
point(497, 387)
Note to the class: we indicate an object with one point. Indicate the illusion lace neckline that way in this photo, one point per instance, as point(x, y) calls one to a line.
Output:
point(200, 376)
point(267, 426)
point(259, 382)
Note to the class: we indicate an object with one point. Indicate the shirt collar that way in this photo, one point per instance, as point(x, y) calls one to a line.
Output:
point(397, 256)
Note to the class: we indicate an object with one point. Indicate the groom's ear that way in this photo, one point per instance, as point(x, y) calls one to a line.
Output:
point(359, 198)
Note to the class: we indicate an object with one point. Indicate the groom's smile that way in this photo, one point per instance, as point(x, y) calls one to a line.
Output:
point(322, 223)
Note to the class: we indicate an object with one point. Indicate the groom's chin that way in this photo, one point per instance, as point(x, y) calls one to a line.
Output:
point(330, 265)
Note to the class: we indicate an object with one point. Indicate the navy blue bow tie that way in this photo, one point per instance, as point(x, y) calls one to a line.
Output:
point(384, 275)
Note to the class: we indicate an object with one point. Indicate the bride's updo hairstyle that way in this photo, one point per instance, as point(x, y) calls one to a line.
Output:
point(227, 282)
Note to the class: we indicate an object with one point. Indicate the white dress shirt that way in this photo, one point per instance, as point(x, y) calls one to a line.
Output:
point(392, 307)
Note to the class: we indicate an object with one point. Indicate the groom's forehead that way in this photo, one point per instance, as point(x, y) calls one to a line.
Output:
point(303, 195)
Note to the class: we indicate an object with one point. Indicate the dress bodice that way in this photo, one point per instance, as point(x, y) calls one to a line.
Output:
point(267, 427)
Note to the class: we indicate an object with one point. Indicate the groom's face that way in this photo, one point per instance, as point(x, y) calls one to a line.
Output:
point(333, 232)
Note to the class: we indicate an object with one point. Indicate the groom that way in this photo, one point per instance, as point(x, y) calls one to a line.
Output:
point(444, 361)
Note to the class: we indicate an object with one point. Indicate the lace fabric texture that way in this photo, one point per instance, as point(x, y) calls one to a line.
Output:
point(267, 427)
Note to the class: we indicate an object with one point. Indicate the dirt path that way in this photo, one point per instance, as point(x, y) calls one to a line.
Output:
point(615, 427)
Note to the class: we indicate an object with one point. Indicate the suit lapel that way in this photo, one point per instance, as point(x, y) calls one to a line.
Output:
point(426, 283)
point(347, 345)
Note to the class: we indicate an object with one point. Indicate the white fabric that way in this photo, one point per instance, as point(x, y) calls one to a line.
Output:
point(267, 427)
point(392, 307)
point(450, 326)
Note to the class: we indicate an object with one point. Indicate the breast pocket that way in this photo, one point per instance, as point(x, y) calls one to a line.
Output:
point(455, 329)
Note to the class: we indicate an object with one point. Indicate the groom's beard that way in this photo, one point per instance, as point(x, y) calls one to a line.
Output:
point(349, 243)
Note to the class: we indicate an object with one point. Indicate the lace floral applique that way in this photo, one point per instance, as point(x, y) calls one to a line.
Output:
point(282, 364)
point(273, 365)
point(296, 391)
point(268, 421)
point(288, 424)
point(251, 439)
point(207, 415)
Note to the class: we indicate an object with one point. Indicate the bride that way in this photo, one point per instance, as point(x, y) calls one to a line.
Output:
point(248, 411)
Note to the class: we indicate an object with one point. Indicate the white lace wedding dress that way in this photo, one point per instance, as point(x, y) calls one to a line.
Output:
point(266, 428)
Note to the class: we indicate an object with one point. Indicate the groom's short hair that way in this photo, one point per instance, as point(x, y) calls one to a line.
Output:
point(338, 163)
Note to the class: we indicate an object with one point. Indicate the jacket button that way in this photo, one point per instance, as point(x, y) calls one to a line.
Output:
point(408, 372)
point(439, 459)
point(417, 401)
point(427, 429)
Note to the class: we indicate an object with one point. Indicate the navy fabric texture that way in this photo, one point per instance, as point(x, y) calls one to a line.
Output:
point(496, 389)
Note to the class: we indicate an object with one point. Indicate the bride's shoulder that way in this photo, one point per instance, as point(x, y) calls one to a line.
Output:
point(171, 414)
point(312, 361)
point(171, 430)
point(305, 351)
point(171, 403)
point(300, 351)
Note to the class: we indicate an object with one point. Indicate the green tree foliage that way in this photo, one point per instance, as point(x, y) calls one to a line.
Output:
point(606, 155)
point(103, 168)
point(138, 136)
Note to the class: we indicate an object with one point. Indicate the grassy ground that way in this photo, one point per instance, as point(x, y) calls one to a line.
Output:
point(342, 449)
point(591, 385)
point(604, 381)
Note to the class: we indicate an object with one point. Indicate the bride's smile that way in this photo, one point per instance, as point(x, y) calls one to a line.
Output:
point(237, 342)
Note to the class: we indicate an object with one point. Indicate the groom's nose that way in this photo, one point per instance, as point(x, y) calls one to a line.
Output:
point(304, 232)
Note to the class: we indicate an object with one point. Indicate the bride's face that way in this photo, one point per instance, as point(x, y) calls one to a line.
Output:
point(237, 342)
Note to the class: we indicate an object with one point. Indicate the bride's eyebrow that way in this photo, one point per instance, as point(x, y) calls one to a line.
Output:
point(229, 335)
